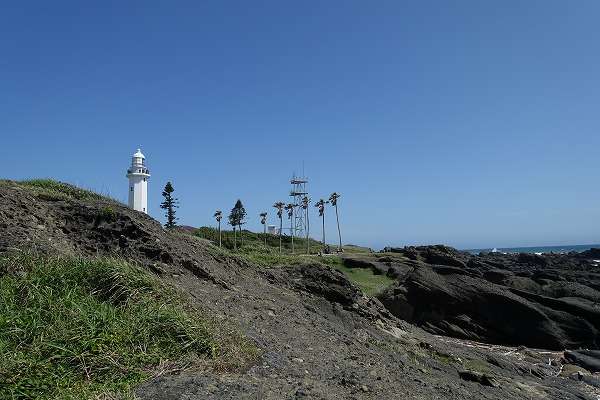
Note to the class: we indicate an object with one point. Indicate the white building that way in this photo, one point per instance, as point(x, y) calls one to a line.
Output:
point(138, 175)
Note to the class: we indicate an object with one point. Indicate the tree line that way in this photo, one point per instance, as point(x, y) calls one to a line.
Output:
point(238, 214)
point(237, 217)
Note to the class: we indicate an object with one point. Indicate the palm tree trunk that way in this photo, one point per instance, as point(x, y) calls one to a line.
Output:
point(338, 225)
point(241, 237)
point(323, 232)
point(219, 234)
point(280, 228)
point(265, 233)
point(307, 233)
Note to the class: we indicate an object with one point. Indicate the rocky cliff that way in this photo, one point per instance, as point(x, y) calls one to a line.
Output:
point(546, 301)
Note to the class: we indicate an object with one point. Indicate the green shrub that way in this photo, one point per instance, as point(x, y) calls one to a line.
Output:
point(107, 214)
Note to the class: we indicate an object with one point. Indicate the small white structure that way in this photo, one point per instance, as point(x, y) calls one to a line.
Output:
point(138, 175)
point(272, 229)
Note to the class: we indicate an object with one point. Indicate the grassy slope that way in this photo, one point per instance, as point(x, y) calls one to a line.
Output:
point(70, 329)
point(51, 189)
point(255, 252)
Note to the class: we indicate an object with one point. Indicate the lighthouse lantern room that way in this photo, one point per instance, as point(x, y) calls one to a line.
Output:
point(138, 175)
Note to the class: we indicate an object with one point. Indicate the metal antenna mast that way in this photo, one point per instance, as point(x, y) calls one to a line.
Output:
point(297, 194)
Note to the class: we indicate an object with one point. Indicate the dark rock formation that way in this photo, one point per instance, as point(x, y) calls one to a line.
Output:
point(588, 359)
point(543, 301)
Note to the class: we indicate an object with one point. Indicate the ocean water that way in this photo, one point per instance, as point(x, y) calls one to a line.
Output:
point(542, 249)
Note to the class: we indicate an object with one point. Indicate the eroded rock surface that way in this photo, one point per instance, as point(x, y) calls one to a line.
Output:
point(542, 301)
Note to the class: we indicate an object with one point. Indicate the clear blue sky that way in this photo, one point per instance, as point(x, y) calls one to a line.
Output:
point(472, 123)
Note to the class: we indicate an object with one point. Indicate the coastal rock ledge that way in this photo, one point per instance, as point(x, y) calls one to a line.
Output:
point(549, 301)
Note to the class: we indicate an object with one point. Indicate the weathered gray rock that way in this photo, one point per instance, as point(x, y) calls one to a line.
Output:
point(537, 301)
point(588, 359)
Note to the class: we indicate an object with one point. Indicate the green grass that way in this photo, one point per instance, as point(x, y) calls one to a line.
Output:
point(256, 240)
point(364, 278)
point(256, 252)
point(54, 190)
point(353, 249)
point(262, 256)
point(74, 328)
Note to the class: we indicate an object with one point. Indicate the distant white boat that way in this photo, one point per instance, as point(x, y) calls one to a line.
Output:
point(494, 250)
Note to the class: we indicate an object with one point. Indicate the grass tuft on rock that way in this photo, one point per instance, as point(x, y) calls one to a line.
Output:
point(74, 328)
point(55, 190)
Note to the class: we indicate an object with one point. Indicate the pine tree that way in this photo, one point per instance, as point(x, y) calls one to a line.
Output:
point(169, 205)
point(233, 222)
point(241, 216)
point(236, 219)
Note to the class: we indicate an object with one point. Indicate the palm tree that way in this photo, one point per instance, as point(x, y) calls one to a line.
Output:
point(218, 215)
point(321, 206)
point(333, 200)
point(305, 203)
point(290, 212)
point(279, 206)
point(263, 220)
point(236, 219)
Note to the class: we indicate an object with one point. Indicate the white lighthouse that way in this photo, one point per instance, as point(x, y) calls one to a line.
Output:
point(138, 175)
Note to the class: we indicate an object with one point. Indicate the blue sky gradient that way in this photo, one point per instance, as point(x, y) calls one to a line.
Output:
point(470, 123)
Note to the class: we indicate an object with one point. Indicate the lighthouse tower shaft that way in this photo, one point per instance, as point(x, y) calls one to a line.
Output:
point(138, 175)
